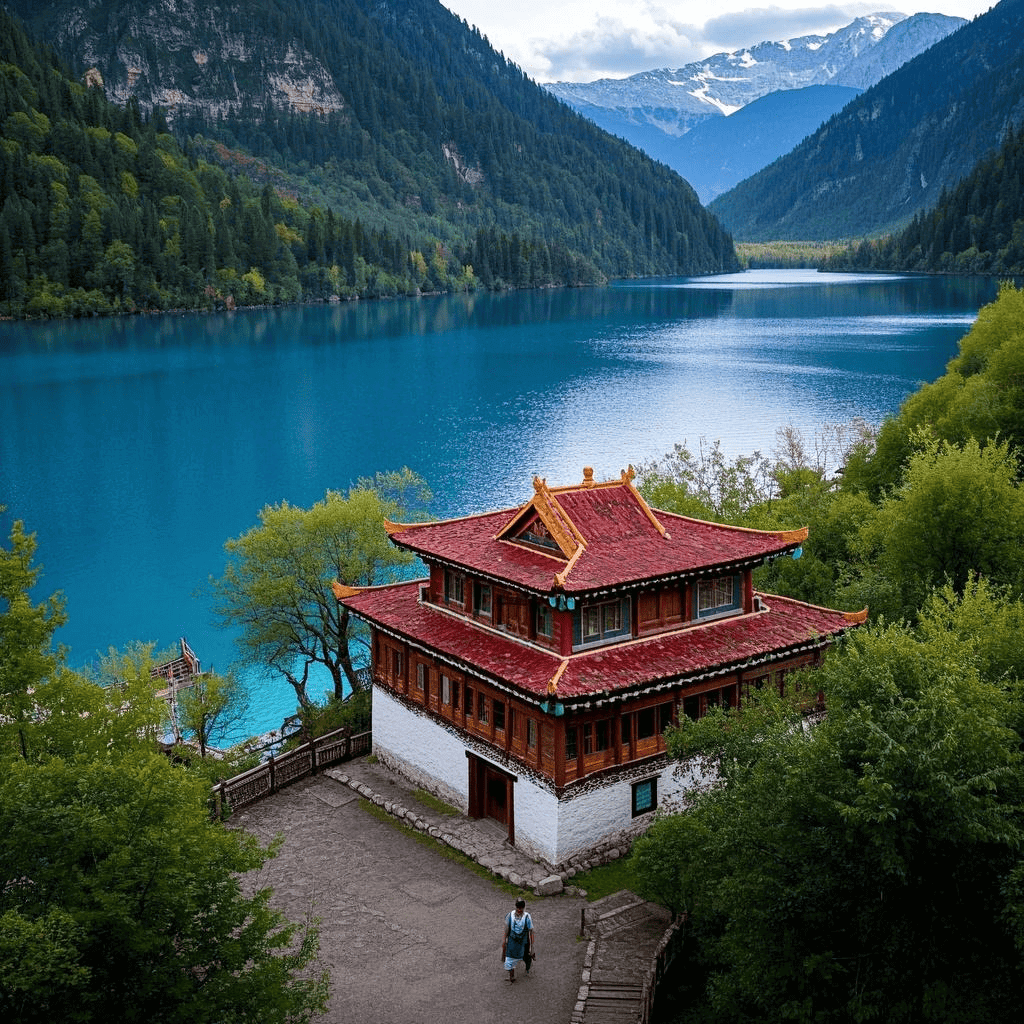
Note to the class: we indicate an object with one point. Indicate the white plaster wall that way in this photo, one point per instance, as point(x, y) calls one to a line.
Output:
point(604, 811)
point(420, 749)
point(536, 810)
point(600, 811)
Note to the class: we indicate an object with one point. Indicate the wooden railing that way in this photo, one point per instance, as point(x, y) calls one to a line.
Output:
point(277, 772)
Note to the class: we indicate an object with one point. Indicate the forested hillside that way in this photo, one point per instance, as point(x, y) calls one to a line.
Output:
point(977, 228)
point(398, 115)
point(101, 211)
point(889, 154)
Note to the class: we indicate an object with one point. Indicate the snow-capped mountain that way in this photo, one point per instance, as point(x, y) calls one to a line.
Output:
point(674, 101)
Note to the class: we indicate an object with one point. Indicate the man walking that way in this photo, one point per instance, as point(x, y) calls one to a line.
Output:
point(517, 941)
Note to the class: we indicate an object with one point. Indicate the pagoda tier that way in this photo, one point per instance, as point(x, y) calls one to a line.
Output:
point(692, 654)
point(589, 537)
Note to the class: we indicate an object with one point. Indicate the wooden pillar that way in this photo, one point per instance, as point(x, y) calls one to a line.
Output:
point(510, 806)
point(559, 752)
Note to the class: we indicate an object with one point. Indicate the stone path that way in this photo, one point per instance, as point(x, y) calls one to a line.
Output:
point(482, 840)
point(408, 934)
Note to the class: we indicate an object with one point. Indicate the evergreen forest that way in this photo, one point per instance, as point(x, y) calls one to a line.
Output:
point(107, 208)
point(977, 227)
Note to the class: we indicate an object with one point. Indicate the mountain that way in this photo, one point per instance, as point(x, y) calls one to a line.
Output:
point(675, 101)
point(395, 114)
point(101, 211)
point(721, 151)
point(659, 111)
point(892, 151)
point(976, 228)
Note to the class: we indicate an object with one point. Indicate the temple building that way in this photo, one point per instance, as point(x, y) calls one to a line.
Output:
point(531, 676)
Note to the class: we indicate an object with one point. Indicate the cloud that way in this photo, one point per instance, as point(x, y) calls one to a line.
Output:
point(734, 31)
point(611, 48)
point(651, 35)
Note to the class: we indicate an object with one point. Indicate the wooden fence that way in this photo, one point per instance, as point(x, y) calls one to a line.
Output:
point(277, 772)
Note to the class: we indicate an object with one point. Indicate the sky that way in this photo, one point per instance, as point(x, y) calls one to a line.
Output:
point(583, 40)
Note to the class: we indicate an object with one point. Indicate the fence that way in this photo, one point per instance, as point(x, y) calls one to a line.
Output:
point(277, 772)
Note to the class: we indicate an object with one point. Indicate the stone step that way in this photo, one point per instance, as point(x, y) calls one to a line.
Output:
point(612, 1003)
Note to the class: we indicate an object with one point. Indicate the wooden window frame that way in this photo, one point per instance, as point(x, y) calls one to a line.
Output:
point(454, 588)
point(716, 605)
point(485, 609)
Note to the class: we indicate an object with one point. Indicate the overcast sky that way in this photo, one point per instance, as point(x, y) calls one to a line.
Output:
point(582, 40)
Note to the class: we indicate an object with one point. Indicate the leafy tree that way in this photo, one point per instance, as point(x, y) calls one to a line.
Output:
point(276, 587)
point(120, 875)
point(958, 512)
point(865, 869)
point(706, 484)
point(119, 898)
point(211, 708)
point(27, 657)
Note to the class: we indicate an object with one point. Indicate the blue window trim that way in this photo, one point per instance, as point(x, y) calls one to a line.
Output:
point(718, 610)
point(646, 790)
point(624, 633)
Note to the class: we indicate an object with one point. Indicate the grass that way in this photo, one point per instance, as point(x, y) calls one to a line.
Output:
point(432, 802)
point(604, 880)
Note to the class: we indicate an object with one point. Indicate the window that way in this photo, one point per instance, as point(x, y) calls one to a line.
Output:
point(469, 702)
point(455, 695)
point(645, 724)
point(645, 796)
point(446, 690)
point(596, 736)
point(602, 621)
point(535, 532)
point(570, 744)
point(716, 597)
point(545, 620)
point(499, 715)
point(531, 733)
point(482, 599)
point(481, 708)
point(396, 665)
point(421, 677)
point(454, 587)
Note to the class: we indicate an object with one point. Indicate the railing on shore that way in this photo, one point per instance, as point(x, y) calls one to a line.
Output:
point(277, 772)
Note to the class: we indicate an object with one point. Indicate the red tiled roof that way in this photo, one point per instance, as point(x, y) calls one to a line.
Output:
point(685, 655)
point(623, 542)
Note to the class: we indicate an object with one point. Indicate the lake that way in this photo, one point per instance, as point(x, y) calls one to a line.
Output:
point(134, 447)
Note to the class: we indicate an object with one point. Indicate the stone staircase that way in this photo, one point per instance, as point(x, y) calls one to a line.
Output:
point(625, 932)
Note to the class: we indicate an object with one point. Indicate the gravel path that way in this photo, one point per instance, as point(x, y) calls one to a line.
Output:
point(407, 935)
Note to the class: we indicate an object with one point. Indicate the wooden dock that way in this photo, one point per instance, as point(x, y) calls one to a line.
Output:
point(176, 674)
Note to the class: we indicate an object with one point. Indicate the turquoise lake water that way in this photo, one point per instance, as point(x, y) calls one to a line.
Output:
point(135, 447)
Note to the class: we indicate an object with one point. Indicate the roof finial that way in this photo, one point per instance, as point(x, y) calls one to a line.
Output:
point(588, 476)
